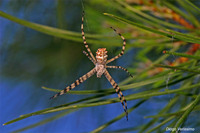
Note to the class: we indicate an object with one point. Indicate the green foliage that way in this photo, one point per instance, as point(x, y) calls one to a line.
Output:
point(154, 34)
point(183, 55)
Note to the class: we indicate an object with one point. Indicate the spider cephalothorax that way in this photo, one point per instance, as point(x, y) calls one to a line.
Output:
point(100, 68)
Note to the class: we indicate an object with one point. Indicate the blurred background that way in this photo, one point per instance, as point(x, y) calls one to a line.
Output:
point(31, 59)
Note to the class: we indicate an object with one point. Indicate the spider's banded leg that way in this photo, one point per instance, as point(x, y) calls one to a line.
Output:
point(119, 93)
point(76, 83)
point(89, 56)
point(84, 40)
point(120, 67)
point(123, 47)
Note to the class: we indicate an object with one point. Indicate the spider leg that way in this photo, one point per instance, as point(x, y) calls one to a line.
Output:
point(76, 83)
point(89, 57)
point(123, 47)
point(84, 40)
point(120, 67)
point(119, 93)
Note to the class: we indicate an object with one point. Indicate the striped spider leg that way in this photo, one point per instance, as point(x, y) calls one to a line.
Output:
point(111, 80)
point(120, 67)
point(84, 40)
point(76, 83)
point(100, 68)
point(89, 57)
point(123, 47)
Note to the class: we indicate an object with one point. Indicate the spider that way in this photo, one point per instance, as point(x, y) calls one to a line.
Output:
point(100, 68)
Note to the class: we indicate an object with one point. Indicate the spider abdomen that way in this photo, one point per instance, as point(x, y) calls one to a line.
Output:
point(101, 57)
